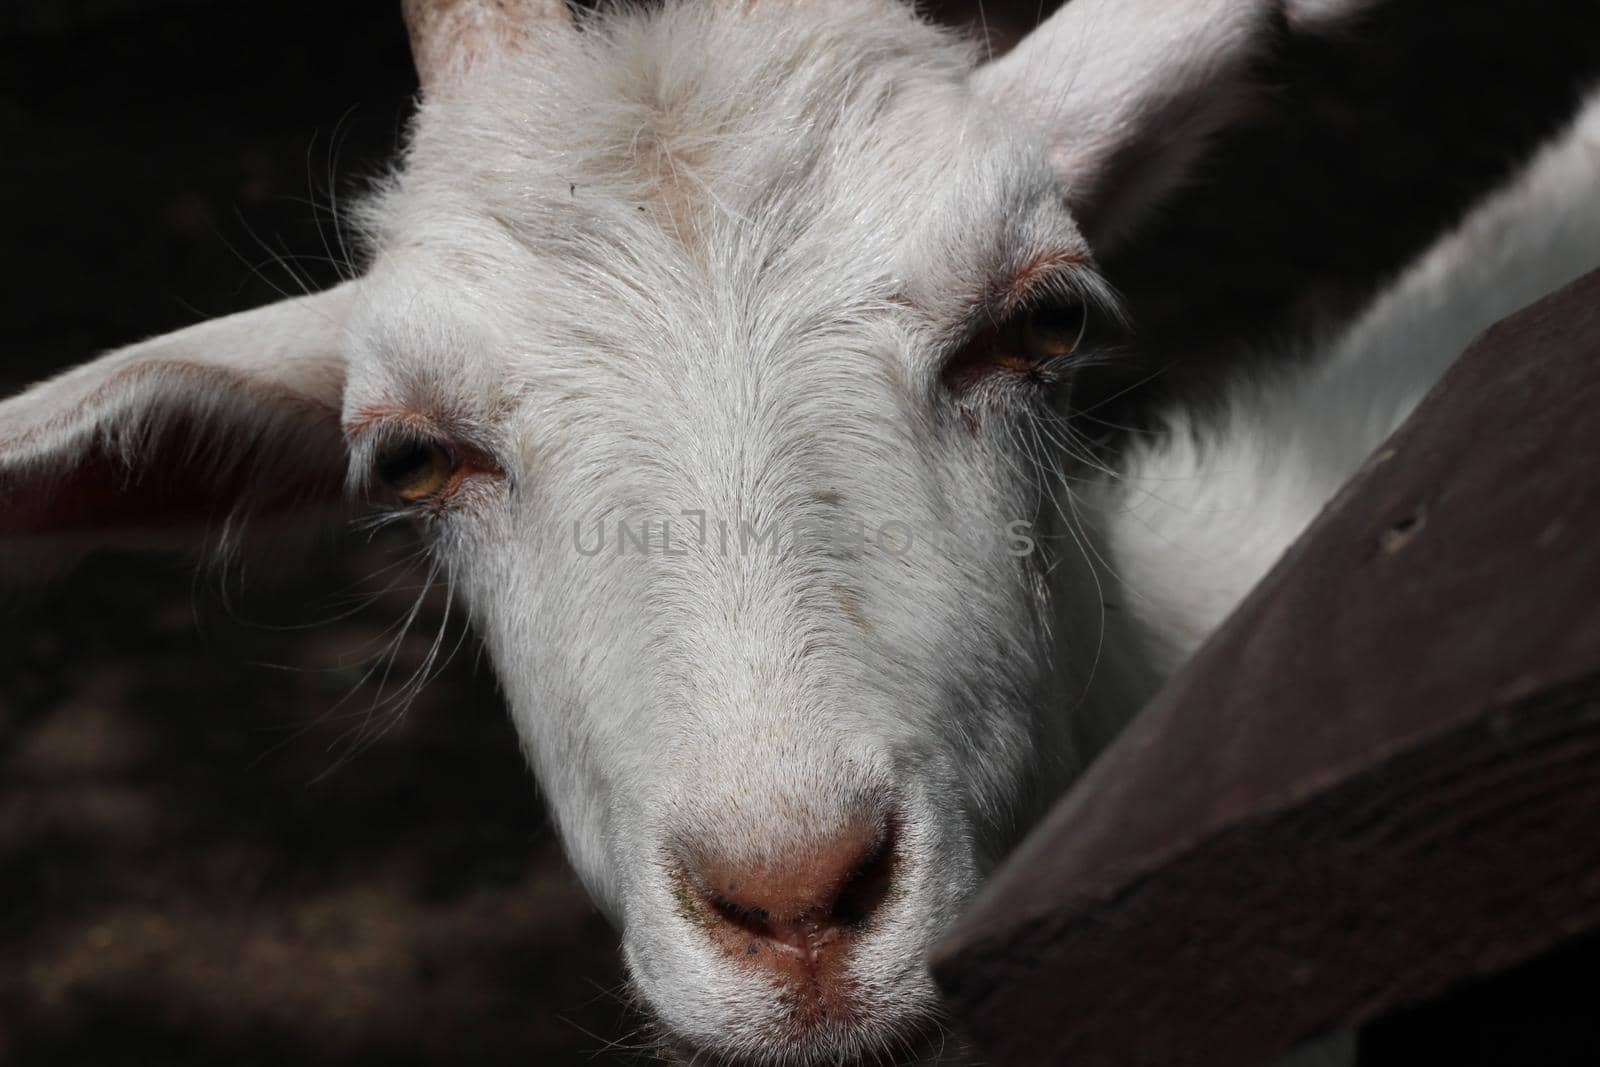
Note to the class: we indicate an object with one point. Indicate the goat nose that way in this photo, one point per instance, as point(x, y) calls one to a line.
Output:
point(796, 913)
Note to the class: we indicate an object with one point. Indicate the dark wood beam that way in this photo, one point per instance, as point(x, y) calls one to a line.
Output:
point(1379, 778)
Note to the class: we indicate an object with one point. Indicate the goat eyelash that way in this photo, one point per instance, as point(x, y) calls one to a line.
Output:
point(1009, 331)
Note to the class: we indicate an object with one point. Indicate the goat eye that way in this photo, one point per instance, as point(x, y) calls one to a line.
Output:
point(1050, 331)
point(1025, 346)
point(414, 470)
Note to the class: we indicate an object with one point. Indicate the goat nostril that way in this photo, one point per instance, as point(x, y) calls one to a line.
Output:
point(865, 891)
point(797, 906)
point(753, 920)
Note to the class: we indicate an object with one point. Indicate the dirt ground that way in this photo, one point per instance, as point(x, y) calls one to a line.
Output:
point(217, 851)
point(212, 849)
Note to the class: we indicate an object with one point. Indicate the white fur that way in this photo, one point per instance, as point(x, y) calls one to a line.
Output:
point(711, 259)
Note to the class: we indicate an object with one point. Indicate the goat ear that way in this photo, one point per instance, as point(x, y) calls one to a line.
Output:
point(236, 416)
point(1124, 95)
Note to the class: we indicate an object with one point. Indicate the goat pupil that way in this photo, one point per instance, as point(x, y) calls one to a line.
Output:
point(410, 466)
point(1052, 330)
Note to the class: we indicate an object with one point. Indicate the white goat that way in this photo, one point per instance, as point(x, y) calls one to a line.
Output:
point(663, 310)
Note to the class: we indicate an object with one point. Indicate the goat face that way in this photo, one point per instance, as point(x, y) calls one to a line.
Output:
point(757, 348)
point(723, 353)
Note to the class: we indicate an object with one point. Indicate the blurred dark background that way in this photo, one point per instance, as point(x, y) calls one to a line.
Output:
point(212, 850)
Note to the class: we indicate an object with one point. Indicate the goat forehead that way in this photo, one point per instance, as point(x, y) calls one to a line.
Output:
point(692, 90)
point(680, 204)
point(731, 129)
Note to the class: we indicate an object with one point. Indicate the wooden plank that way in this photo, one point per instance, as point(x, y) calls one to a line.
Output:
point(1380, 776)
